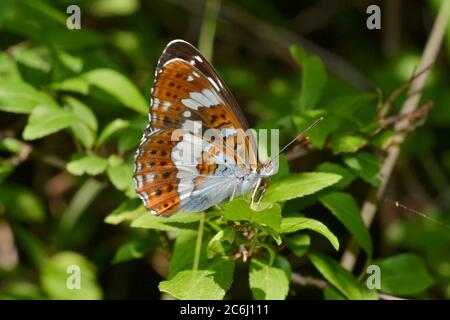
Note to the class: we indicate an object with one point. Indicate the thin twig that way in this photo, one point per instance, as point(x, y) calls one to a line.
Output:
point(429, 55)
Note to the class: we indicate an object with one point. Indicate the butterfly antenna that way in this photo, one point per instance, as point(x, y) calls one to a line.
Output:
point(300, 135)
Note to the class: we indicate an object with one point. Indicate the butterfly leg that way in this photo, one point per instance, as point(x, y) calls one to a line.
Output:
point(255, 191)
point(234, 193)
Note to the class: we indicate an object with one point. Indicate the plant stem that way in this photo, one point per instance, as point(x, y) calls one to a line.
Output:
point(429, 55)
point(208, 29)
point(198, 244)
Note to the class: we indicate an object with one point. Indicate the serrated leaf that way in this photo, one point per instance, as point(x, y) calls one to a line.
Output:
point(47, 120)
point(347, 176)
point(299, 185)
point(211, 282)
point(267, 283)
point(340, 278)
point(365, 165)
point(87, 164)
point(54, 277)
point(347, 143)
point(293, 224)
point(314, 78)
point(345, 208)
point(19, 97)
point(404, 274)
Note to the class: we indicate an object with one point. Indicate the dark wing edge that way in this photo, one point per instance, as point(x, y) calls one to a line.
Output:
point(184, 50)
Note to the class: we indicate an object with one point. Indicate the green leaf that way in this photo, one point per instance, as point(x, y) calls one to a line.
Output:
point(8, 68)
point(209, 283)
point(121, 175)
point(347, 176)
point(314, 78)
point(56, 275)
point(138, 247)
point(21, 290)
point(110, 8)
point(127, 211)
point(22, 204)
point(318, 134)
point(5, 170)
point(183, 252)
point(267, 283)
point(347, 143)
point(175, 222)
point(340, 278)
point(298, 243)
point(299, 185)
point(47, 120)
point(83, 112)
point(87, 164)
point(216, 246)
point(86, 129)
point(30, 244)
point(353, 110)
point(19, 97)
point(110, 81)
point(404, 274)
point(345, 208)
point(5, 7)
point(365, 165)
point(293, 224)
point(282, 263)
point(10, 145)
point(239, 210)
point(111, 129)
point(331, 293)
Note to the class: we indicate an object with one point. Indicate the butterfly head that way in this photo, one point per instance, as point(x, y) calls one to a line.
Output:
point(266, 170)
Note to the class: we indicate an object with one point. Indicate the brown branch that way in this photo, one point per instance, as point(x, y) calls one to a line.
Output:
point(429, 55)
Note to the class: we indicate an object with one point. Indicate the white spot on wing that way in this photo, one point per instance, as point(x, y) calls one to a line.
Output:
point(212, 97)
point(200, 98)
point(191, 103)
point(187, 114)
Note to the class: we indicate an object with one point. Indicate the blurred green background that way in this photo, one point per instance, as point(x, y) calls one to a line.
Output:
point(49, 215)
